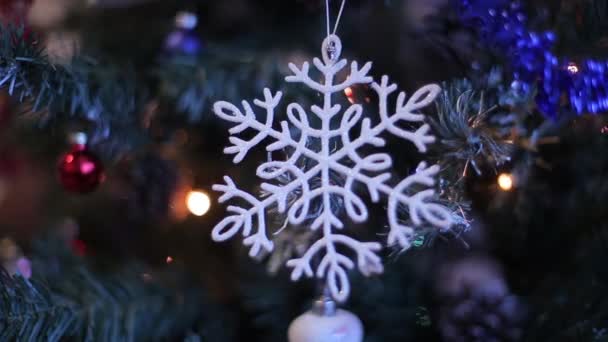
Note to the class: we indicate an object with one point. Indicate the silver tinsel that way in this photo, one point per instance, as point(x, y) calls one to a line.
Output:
point(466, 138)
point(467, 142)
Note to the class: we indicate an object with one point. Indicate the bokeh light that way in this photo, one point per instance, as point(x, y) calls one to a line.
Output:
point(572, 68)
point(198, 202)
point(505, 181)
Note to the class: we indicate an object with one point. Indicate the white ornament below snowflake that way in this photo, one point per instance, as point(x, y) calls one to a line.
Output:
point(326, 323)
point(341, 326)
point(369, 170)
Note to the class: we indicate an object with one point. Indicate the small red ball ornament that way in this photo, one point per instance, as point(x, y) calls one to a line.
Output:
point(80, 171)
point(79, 247)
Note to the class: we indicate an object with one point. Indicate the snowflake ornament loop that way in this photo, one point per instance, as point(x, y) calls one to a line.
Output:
point(369, 170)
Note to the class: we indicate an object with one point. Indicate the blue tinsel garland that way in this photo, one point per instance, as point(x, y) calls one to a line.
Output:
point(503, 26)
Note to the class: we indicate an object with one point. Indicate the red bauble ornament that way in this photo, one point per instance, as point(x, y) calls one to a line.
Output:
point(79, 247)
point(80, 170)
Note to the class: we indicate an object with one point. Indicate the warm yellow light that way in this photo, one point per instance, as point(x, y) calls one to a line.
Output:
point(505, 181)
point(350, 94)
point(198, 202)
point(348, 91)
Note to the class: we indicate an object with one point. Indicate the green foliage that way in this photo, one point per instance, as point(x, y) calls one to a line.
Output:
point(29, 312)
point(81, 87)
point(107, 97)
point(272, 302)
point(190, 84)
point(555, 256)
point(581, 26)
point(392, 306)
point(68, 297)
point(102, 98)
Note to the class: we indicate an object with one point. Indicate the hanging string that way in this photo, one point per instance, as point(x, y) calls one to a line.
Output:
point(328, 21)
point(327, 15)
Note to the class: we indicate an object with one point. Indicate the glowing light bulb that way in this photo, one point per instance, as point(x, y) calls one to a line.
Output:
point(505, 181)
point(186, 20)
point(198, 202)
point(350, 94)
point(358, 94)
point(572, 68)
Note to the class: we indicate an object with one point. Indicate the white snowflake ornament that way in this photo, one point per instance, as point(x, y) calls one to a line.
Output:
point(295, 135)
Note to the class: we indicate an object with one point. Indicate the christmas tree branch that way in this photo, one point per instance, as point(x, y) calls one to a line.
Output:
point(68, 298)
point(29, 312)
point(82, 87)
point(112, 97)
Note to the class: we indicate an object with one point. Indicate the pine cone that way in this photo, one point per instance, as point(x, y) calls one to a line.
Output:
point(476, 304)
point(480, 316)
